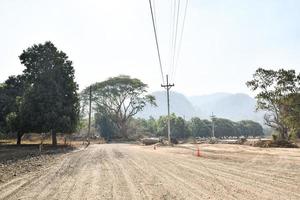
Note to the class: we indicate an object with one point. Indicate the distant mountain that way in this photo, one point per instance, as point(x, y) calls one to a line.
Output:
point(235, 107)
point(199, 101)
point(179, 105)
point(231, 106)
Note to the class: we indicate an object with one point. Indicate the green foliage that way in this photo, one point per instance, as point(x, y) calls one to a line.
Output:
point(225, 127)
point(249, 128)
point(11, 92)
point(200, 128)
point(105, 126)
point(50, 102)
point(119, 98)
point(291, 112)
point(179, 127)
point(196, 127)
point(275, 89)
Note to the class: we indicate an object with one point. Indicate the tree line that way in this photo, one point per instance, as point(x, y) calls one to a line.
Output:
point(45, 99)
point(181, 128)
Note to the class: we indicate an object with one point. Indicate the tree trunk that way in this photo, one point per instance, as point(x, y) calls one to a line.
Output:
point(283, 135)
point(19, 138)
point(54, 139)
point(124, 130)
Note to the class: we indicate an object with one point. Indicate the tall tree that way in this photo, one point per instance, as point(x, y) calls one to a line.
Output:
point(51, 102)
point(179, 127)
point(249, 128)
point(120, 98)
point(200, 128)
point(224, 127)
point(11, 93)
point(273, 88)
point(291, 112)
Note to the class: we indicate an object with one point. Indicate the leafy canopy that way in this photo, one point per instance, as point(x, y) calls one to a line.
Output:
point(120, 98)
point(274, 89)
point(51, 101)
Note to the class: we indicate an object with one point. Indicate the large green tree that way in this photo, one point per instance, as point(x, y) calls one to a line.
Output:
point(224, 127)
point(200, 128)
point(291, 112)
point(120, 98)
point(249, 128)
point(11, 93)
point(273, 88)
point(50, 102)
point(179, 127)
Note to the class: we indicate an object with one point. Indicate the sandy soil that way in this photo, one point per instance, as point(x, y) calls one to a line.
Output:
point(126, 171)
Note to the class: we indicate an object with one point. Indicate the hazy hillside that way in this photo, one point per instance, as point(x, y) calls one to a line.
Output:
point(179, 104)
point(199, 101)
point(225, 105)
point(232, 106)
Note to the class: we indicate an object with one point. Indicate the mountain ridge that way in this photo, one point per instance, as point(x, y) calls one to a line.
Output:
point(236, 107)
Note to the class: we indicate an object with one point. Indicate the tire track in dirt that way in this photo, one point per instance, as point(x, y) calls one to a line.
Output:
point(232, 174)
point(147, 182)
point(246, 177)
point(193, 184)
point(27, 180)
point(122, 171)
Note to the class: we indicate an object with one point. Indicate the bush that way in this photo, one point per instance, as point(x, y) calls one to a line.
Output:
point(174, 141)
point(274, 136)
point(213, 141)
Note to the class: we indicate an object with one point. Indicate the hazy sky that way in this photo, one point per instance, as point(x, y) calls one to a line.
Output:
point(224, 40)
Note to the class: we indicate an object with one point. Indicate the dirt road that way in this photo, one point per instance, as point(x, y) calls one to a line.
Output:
point(124, 171)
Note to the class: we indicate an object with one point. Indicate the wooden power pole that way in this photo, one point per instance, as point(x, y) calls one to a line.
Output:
point(90, 113)
point(213, 117)
point(168, 87)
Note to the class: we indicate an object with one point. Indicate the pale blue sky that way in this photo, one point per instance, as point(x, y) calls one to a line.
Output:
point(224, 40)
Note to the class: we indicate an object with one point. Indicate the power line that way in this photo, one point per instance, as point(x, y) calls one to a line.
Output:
point(180, 40)
point(154, 13)
point(172, 30)
point(156, 41)
point(175, 32)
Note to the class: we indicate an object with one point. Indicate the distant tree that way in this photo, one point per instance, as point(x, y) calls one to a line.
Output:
point(200, 128)
point(291, 112)
point(152, 125)
point(51, 102)
point(224, 127)
point(11, 93)
point(120, 98)
point(249, 128)
point(273, 88)
point(105, 126)
point(179, 127)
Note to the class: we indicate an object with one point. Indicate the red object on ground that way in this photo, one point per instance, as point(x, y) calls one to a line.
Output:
point(198, 154)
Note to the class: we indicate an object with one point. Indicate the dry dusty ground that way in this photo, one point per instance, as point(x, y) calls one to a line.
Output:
point(126, 171)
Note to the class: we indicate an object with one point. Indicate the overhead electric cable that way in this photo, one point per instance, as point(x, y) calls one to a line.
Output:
point(176, 31)
point(172, 30)
point(180, 40)
point(156, 41)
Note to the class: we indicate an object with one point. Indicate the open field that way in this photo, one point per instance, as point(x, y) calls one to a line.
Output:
point(127, 171)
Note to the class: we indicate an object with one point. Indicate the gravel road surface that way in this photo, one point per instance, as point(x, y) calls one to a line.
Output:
point(127, 171)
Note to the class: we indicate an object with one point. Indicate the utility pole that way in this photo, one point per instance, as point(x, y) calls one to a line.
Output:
point(168, 87)
point(90, 113)
point(183, 127)
point(213, 117)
